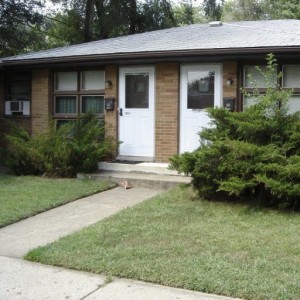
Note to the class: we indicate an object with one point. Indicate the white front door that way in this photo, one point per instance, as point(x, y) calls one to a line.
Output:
point(201, 88)
point(136, 112)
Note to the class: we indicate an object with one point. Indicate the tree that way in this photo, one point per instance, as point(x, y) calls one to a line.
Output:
point(252, 155)
point(185, 13)
point(213, 9)
point(63, 29)
point(284, 9)
point(156, 14)
point(20, 22)
point(99, 19)
point(245, 10)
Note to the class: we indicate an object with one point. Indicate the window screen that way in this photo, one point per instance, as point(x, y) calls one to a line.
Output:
point(66, 81)
point(92, 104)
point(92, 80)
point(291, 76)
point(65, 104)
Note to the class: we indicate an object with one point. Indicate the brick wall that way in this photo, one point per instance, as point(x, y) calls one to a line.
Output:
point(1, 93)
point(230, 70)
point(111, 117)
point(40, 100)
point(166, 111)
point(24, 122)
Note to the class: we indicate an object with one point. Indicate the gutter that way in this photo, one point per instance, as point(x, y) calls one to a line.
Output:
point(151, 55)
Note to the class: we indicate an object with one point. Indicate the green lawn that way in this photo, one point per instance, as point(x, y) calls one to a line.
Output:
point(25, 196)
point(177, 240)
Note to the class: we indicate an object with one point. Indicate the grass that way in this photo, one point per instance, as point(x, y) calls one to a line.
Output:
point(25, 196)
point(227, 249)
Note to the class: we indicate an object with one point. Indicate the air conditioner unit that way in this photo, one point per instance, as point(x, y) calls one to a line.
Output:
point(17, 107)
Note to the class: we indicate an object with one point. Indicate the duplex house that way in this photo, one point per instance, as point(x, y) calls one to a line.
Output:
point(152, 89)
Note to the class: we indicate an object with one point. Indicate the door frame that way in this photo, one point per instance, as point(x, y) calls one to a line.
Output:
point(137, 69)
point(184, 69)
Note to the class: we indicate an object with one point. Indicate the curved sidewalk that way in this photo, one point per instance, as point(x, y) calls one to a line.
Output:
point(24, 280)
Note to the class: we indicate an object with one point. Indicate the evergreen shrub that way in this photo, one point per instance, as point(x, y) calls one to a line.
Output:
point(251, 155)
point(60, 152)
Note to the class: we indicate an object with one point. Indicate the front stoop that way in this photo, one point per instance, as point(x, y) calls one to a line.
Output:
point(137, 167)
point(140, 175)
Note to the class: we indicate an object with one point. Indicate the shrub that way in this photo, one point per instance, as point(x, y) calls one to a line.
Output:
point(253, 155)
point(61, 152)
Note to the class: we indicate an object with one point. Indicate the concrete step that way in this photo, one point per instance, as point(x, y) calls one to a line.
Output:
point(139, 180)
point(137, 167)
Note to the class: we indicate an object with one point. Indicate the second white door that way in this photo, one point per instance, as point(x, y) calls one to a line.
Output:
point(201, 88)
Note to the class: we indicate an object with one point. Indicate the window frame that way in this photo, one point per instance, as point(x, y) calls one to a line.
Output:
point(65, 114)
point(91, 95)
point(9, 77)
point(79, 92)
point(82, 90)
point(295, 90)
point(249, 90)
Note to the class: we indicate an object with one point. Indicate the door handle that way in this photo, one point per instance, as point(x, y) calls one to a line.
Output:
point(121, 112)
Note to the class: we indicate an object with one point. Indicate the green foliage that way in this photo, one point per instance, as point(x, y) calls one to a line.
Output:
point(213, 9)
point(252, 155)
point(186, 13)
point(18, 19)
point(246, 10)
point(25, 196)
point(62, 152)
point(176, 240)
point(283, 9)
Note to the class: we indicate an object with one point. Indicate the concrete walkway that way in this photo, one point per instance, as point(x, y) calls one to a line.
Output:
point(17, 239)
point(30, 281)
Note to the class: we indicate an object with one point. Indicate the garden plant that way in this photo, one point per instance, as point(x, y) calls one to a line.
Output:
point(61, 151)
point(251, 155)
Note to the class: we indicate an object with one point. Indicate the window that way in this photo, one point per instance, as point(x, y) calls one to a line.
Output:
point(19, 87)
point(200, 89)
point(93, 104)
point(77, 93)
point(291, 76)
point(254, 79)
point(66, 81)
point(18, 94)
point(92, 80)
point(65, 104)
point(137, 90)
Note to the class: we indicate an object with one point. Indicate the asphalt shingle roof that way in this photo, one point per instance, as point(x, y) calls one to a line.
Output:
point(229, 36)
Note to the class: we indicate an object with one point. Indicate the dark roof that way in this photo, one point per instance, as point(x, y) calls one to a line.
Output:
point(230, 37)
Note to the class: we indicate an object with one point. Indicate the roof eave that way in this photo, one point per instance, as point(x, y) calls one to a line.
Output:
point(152, 54)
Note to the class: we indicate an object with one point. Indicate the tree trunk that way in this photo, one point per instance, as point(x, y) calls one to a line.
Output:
point(88, 22)
point(133, 17)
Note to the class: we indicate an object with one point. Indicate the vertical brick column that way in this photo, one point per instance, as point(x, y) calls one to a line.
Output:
point(1, 93)
point(166, 111)
point(2, 124)
point(40, 100)
point(230, 70)
point(111, 117)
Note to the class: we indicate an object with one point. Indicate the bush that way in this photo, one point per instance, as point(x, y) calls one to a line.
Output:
point(61, 152)
point(252, 155)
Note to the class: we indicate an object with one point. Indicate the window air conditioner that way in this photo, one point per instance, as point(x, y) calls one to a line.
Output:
point(17, 107)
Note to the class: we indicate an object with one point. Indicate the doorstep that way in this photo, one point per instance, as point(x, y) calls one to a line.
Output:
point(138, 174)
point(137, 167)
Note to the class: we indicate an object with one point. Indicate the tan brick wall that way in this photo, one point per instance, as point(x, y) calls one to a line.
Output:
point(1, 93)
point(23, 122)
point(230, 71)
point(40, 100)
point(166, 111)
point(111, 117)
